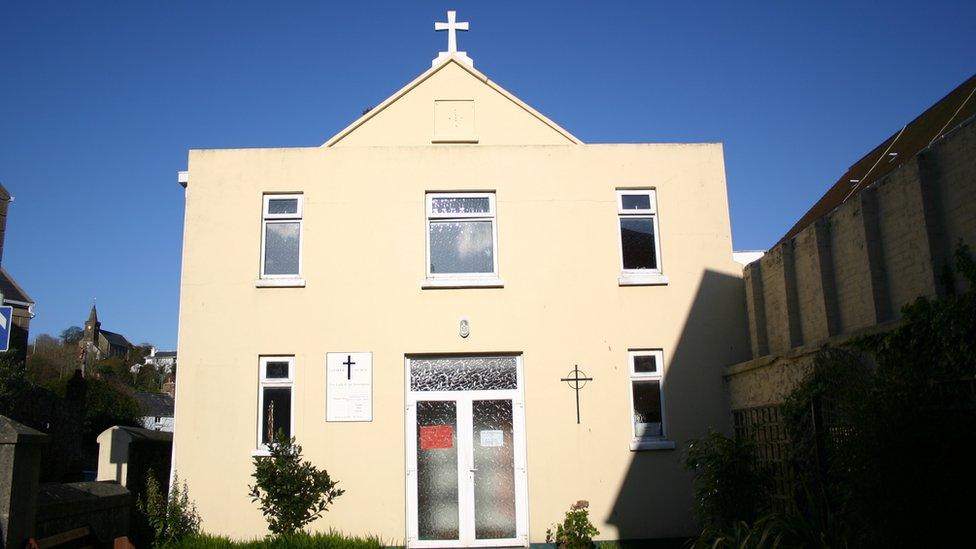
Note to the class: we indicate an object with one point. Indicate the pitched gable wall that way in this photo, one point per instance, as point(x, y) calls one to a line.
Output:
point(497, 118)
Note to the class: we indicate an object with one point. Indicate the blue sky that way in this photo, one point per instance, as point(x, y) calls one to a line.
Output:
point(100, 101)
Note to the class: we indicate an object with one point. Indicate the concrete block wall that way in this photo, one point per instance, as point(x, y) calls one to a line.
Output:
point(905, 242)
point(775, 296)
point(951, 164)
point(856, 267)
point(852, 273)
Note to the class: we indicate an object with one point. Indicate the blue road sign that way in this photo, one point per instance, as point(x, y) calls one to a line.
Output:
point(6, 325)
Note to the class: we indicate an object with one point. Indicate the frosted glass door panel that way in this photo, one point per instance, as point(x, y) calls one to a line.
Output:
point(437, 470)
point(494, 469)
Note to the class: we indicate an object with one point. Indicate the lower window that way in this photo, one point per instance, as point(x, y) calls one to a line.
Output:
point(275, 398)
point(647, 394)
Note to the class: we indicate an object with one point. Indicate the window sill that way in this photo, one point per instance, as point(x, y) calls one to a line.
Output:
point(445, 140)
point(260, 452)
point(633, 279)
point(279, 283)
point(638, 445)
point(431, 283)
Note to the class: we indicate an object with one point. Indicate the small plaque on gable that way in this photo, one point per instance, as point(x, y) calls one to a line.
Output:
point(349, 391)
point(454, 121)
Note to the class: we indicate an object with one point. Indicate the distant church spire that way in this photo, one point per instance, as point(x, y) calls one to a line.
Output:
point(93, 315)
point(452, 26)
point(92, 327)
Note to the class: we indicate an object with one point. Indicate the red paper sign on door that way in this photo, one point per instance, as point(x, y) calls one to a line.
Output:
point(436, 436)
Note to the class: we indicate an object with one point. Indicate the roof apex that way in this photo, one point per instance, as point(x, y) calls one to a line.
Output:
point(438, 65)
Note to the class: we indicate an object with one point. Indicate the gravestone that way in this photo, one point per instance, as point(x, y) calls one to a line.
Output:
point(20, 462)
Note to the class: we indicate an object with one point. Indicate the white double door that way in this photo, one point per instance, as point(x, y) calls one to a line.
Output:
point(466, 484)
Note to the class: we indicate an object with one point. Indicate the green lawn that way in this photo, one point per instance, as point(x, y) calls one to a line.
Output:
point(310, 541)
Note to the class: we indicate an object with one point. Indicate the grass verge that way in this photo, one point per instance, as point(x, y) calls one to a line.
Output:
point(330, 540)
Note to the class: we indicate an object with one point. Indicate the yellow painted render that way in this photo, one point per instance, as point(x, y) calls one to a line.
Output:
point(406, 117)
point(363, 259)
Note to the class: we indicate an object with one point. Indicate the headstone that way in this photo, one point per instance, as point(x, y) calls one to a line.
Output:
point(20, 464)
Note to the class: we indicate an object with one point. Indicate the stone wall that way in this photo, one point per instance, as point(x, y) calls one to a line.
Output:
point(852, 271)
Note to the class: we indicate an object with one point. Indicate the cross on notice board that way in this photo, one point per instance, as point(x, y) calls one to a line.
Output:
point(576, 382)
point(348, 363)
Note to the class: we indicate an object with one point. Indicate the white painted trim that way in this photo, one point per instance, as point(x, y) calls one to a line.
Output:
point(639, 444)
point(461, 280)
point(463, 419)
point(267, 219)
point(630, 278)
point(658, 376)
point(279, 283)
point(441, 141)
point(264, 381)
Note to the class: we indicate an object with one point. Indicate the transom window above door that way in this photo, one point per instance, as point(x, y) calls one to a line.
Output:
point(462, 240)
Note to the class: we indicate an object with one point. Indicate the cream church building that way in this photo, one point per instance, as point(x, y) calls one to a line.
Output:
point(468, 316)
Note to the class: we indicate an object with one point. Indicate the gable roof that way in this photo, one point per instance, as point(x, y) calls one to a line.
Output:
point(426, 75)
point(12, 291)
point(947, 114)
point(155, 404)
point(113, 338)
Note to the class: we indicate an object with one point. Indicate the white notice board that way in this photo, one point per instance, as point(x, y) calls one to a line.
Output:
point(349, 386)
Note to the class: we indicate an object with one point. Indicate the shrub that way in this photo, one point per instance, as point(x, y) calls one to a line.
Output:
point(729, 486)
point(576, 531)
point(882, 437)
point(291, 492)
point(171, 520)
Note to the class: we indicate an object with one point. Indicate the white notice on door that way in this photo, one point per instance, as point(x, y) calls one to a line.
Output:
point(492, 439)
point(349, 386)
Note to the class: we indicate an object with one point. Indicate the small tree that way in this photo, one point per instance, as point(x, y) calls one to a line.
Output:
point(173, 519)
point(576, 531)
point(291, 492)
point(72, 335)
point(728, 485)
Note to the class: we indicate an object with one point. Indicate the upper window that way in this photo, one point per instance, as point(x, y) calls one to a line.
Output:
point(647, 394)
point(640, 248)
point(281, 236)
point(275, 398)
point(461, 235)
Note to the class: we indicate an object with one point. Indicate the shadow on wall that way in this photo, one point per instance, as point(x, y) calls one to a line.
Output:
point(655, 499)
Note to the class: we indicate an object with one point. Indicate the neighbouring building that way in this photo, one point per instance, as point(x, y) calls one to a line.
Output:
point(157, 411)
point(97, 343)
point(468, 316)
point(882, 236)
point(164, 363)
point(11, 293)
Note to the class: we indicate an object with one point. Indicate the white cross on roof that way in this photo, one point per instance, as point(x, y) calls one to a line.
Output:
point(452, 26)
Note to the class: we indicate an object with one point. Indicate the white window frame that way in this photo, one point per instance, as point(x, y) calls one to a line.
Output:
point(640, 277)
point(279, 382)
point(461, 280)
point(647, 442)
point(268, 218)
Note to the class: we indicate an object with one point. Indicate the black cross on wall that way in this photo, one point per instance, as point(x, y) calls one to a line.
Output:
point(576, 383)
point(348, 363)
